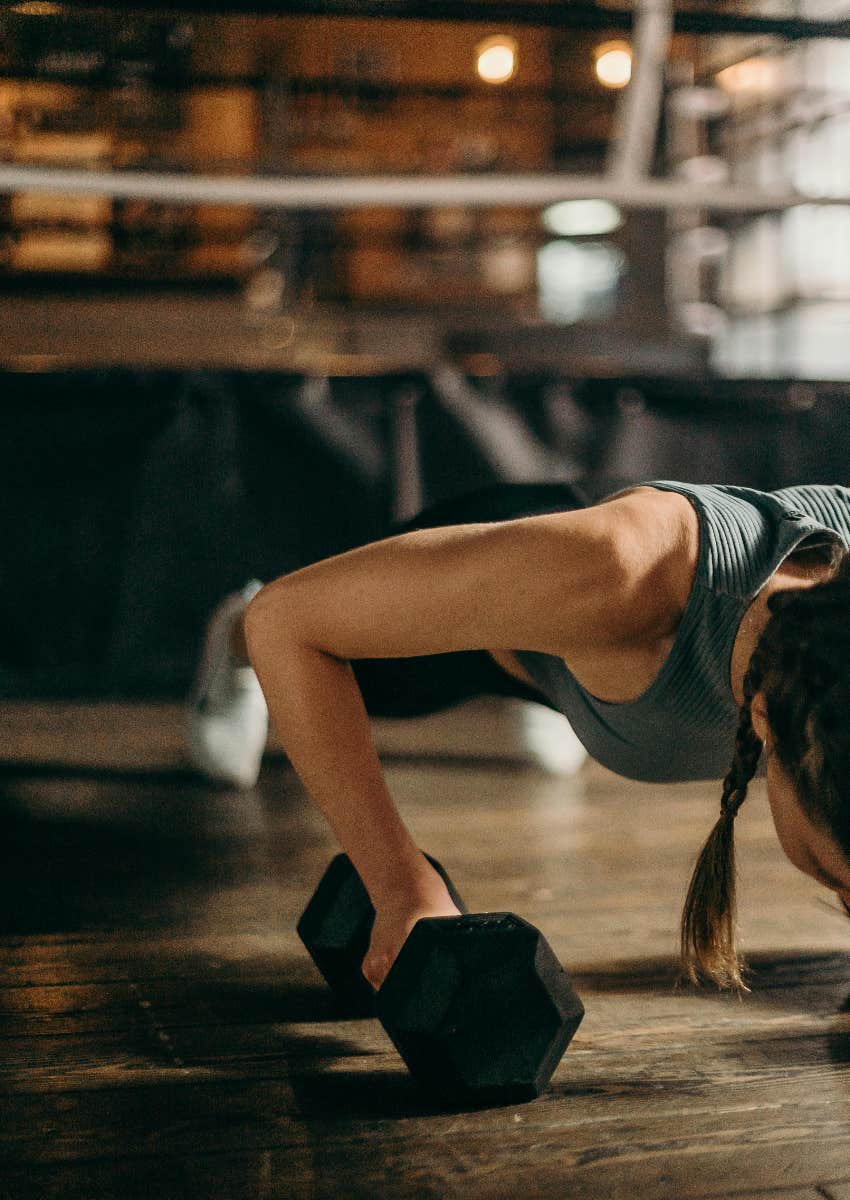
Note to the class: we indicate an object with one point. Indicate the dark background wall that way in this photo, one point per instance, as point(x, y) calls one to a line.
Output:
point(133, 499)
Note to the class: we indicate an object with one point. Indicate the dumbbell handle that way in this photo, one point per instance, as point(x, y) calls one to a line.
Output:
point(456, 898)
point(339, 952)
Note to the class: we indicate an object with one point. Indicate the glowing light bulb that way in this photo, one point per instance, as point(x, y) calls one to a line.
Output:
point(614, 64)
point(496, 59)
point(580, 218)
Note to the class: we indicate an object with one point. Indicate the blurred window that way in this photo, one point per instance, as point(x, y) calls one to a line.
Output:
point(578, 281)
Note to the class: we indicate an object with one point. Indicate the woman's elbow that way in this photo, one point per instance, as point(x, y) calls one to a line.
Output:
point(267, 619)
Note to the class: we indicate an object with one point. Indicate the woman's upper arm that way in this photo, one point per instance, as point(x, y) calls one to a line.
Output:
point(548, 583)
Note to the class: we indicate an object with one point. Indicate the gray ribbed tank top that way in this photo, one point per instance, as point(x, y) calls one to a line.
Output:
point(683, 726)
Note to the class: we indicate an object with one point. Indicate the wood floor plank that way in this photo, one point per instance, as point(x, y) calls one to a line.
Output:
point(263, 1176)
point(162, 1031)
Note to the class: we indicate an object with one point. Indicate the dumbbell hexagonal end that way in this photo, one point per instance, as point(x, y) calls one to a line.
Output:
point(495, 1016)
point(335, 927)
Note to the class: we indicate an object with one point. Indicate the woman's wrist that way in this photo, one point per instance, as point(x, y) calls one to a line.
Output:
point(405, 879)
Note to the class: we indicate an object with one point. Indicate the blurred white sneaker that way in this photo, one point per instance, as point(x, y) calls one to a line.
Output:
point(549, 740)
point(489, 727)
point(226, 718)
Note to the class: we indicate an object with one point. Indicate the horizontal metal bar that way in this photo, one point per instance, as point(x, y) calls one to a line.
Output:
point(399, 191)
point(365, 91)
point(564, 15)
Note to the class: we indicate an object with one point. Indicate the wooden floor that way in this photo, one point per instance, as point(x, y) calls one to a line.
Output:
point(164, 1034)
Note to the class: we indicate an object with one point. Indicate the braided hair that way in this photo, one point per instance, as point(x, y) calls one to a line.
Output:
point(801, 664)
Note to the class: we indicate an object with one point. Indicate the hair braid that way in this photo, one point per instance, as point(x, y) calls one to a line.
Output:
point(709, 921)
point(802, 666)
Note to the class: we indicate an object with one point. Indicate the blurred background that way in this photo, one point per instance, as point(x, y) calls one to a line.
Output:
point(274, 275)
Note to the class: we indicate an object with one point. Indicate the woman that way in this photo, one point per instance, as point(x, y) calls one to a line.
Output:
point(677, 626)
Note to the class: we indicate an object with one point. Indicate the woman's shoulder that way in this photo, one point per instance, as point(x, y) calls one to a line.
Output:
point(745, 533)
point(667, 514)
point(656, 537)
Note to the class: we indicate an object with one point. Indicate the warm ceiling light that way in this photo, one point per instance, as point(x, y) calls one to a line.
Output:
point(496, 59)
point(582, 218)
point(757, 75)
point(614, 64)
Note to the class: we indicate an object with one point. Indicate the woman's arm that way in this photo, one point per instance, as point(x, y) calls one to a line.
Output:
point(547, 583)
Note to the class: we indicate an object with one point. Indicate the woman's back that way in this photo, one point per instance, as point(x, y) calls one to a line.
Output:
point(678, 721)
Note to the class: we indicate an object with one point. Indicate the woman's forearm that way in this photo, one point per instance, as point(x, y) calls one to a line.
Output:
point(429, 591)
point(322, 724)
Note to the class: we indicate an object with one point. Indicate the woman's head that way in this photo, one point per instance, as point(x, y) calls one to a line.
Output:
point(810, 846)
point(796, 706)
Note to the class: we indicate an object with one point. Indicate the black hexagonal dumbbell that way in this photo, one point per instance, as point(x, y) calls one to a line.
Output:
point(478, 1006)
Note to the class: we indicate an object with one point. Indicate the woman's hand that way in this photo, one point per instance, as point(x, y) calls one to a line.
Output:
point(395, 919)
